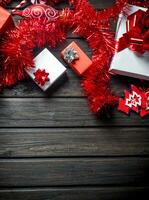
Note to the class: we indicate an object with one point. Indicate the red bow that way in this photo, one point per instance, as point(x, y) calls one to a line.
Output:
point(41, 77)
point(137, 33)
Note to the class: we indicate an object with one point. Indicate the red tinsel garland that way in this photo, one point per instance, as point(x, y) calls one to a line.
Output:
point(16, 50)
point(92, 25)
point(95, 28)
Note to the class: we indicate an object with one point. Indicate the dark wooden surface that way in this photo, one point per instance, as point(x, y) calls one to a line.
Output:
point(53, 148)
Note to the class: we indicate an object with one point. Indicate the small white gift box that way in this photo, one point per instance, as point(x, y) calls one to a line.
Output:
point(47, 70)
point(126, 62)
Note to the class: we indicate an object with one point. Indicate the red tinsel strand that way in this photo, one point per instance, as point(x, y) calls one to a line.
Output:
point(96, 80)
point(19, 43)
point(95, 27)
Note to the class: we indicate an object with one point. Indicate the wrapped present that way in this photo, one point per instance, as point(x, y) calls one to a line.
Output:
point(47, 70)
point(5, 20)
point(132, 44)
point(76, 58)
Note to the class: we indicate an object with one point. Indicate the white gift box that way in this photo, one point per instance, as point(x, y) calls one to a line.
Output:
point(45, 60)
point(127, 62)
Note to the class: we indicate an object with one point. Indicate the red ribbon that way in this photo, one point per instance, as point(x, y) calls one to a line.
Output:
point(41, 77)
point(136, 37)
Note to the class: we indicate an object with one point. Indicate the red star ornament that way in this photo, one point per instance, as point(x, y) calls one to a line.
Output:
point(41, 77)
point(132, 101)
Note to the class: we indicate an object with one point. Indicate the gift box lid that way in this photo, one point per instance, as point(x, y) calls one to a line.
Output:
point(126, 62)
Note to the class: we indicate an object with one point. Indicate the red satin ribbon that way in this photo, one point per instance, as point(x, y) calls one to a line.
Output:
point(136, 37)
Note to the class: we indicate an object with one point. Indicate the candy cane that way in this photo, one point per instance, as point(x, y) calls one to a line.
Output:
point(25, 1)
point(19, 5)
point(38, 1)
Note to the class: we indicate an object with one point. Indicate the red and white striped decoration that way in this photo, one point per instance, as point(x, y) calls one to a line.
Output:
point(25, 1)
point(38, 1)
point(19, 5)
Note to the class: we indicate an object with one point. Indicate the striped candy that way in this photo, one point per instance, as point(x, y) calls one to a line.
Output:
point(25, 1)
point(19, 5)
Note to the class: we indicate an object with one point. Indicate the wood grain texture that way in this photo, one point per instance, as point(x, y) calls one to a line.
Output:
point(53, 148)
point(70, 87)
point(77, 193)
point(73, 142)
point(74, 171)
point(60, 112)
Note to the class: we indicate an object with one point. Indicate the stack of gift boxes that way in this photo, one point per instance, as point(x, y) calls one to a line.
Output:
point(48, 69)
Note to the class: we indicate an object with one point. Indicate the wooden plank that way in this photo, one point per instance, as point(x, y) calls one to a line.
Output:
point(70, 87)
point(87, 193)
point(59, 112)
point(65, 88)
point(74, 142)
point(73, 171)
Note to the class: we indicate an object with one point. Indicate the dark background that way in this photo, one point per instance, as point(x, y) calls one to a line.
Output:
point(53, 148)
